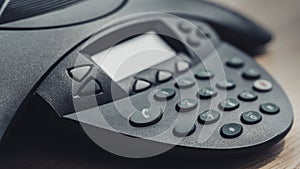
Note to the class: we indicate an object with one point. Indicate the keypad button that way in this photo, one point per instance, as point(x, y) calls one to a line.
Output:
point(92, 87)
point(208, 117)
point(226, 85)
point(182, 66)
point(80, 72)
point(193, 41)
point(206, 93)
point(186, 105)
point(235, 62)
point(204, 74)
point(269, 108)
point(247, 96)
point(141, 85)
point(146, 117)
point(262, 85)
point(184, 27)
point(163, 76)
point(251, 117)
point(184, 83)
point(184, 129)
point(229, 104)
point(251, 74)
point(164, 94)
point(231, 130)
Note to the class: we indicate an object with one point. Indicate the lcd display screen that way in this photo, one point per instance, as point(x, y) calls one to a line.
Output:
point(133, 56)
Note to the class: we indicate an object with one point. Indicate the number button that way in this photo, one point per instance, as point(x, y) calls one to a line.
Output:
point(146, 117)
point(247, 96)
point(251, 117)
point(164, 94)
point(229, 104)
point(184, 83)
point(206, 93)
point(269, 108)
point(231, 130)
point(226, 85)
point(186, 105)
point(235, 62)
point(184, 129)
point(204, 75)
point(208, 117)
point(251, 74)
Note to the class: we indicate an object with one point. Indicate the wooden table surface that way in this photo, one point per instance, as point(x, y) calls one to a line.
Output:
point(51, 151)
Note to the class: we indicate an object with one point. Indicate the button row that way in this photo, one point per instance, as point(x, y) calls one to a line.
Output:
point(152, 115)
point(145, 81)
point(165, 94)
point(194, 41)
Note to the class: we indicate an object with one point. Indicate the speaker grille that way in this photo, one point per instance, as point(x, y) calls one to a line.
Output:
point(22, 9)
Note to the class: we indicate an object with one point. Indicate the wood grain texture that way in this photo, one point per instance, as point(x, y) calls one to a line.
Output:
point(282, 61)
point(52, 149)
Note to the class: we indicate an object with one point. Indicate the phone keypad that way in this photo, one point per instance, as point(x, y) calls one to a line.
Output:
point(188, 105)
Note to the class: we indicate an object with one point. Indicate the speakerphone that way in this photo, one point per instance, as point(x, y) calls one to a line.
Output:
point(175, 73)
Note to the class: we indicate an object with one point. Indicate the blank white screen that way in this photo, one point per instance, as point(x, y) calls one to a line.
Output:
point(133, 56)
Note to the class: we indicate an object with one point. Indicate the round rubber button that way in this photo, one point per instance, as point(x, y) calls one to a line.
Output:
point(251, 74)
point(164, 94)
point(184, 129)
point(247, 96)
point(206, 93)
point(146, 117)
point(251, 117)
point(231, 130)
point(204, 74)
point(184, 83)
point(229, 104)
point(235, 62)
point(269, 108)
point(193, 41)
point(226, 85)
point(184, 27)
point(262, 85)
point(186, 105)
point(208, 117)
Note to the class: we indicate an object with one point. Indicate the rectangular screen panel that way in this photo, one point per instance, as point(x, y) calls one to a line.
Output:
point(133, 56)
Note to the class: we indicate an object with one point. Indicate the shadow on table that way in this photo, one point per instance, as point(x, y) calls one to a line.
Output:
point(38, 142)
point(53, 151)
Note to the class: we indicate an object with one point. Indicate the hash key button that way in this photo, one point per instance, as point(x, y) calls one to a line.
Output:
point(146, 117)
point(269, 108)
point(231, 130)
point(186, 105)
point(251, 117)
